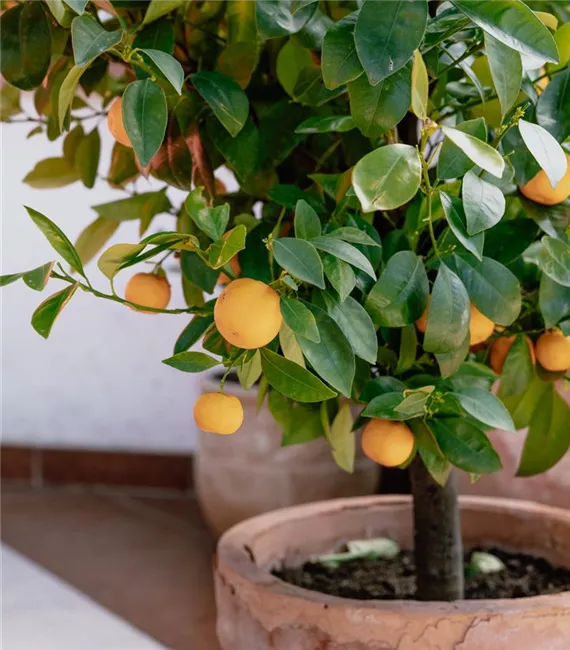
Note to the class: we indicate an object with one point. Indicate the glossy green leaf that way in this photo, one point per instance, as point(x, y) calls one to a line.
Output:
point(493, 289)
point(511, 22)
point(300, 319)
point(277, 18)
point(38, 278)
point(222, 250)
point(157, 36)
point(326, 124)
point(377, 109)
point(479, 152)
point(292, 380)
point(25, 45)
point(142, 206)
point(225, 97)
point(545, 149)
point(554, 260)
point(158, 8)
point(345, 252)
point(408, 348)
point(450, 362)
point(67, 92)
point(386, 35)
point(61, 12)
point(212, 221)
point(111, 260)
point(92, 238)
point(90, 39)
point(192, 333)
point(387, 177)
point(77, 5)
point(452, 162)
point(191, 361)
point(57, 239)
point(145, 115)
point(548, 437)
point(420, 87)
point(299, 422)
point(400, 295)
point(483, 203)
point(485, 407)
point(518, 369)
point(354, 236)
point(169, 67)
point(383, 406)
point(198, 272)
point(554, 301)
point(250, 371)
point(52, 173)
point(332, 357)
point(448, 315)
point(342, 440)
point(307, 223)
point(44, 316)
point(289, 346)
point(455, 215)
point(7, 279)
point(466, 446)
point(299, 258)
point(87, 157)
point(339, 61)
point(553, 107)
point(506, 70)
point(340, 275)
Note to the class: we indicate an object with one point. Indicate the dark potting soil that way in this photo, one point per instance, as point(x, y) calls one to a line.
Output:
point(394, 579)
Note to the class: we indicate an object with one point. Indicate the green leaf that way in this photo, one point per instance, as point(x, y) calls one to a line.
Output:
point(250, 371)
point(87, 158)
point(518, 369)
point(90, 40)
point(300, 319)
point(10, 106)
point(38, 278)
point(339, 60)
point(77, 5)
point(553, 107)
point(332, 357)
point(545, 150)
point(420, 87)
point(479, 152)
point(354, 236)
point(386, 35)
point(289, 346)
point(44, 316)
point(450, 362)
point(67, 92)
point(158, 36)
point(554, 301)
point(52, 173)
point(299, 258)
point(288, 196)
point(466, 446)
point(383, 406)
point(140, 206)
point(240, 16)
point(7, 279)
point(345, 252)
point(452, 162)
point(92, 238)
point(340, 275)
point(57, 239)
point(111, 260)
point(414, 402)
point(342, 439)
point(299, 422)
point(548, 437)
point(225, 97)
point(377, 109)
point(437, 465)
point(554, 260)
point(158, 8)
point(453, 208)
point(145, 115)
point(292, 380)
point(448, 315)
point(277, 18)
point(307, 223)
point(493, 289)
point(169, 67)
point(191, 361)
point(408, 348)
point(198, 272)
point(326, 124)
point(192, 333)
point(388, 177)
point(212, 221)
point(355, 324)
point(400, 295)
point(485, 407)
point(25, 45)
point(511, 22)
point(222, 250)
point(506, 70)
point(484, 203)
point(522, 406)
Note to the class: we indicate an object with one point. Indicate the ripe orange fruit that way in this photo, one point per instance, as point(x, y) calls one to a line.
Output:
point(500, 348)
point(115, 123)
point(386, 442)
point(149, 290)
point(247, 313)
point(541, 191)
point(421, 323)
point(553, 351)
point(480, 327)
point(218, 413)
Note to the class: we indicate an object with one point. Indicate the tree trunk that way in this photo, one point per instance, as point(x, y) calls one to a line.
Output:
point(437, 537)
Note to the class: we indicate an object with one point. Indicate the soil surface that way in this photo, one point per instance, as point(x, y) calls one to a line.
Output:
point(394, 579)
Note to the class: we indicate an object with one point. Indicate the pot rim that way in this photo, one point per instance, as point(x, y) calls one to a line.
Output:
point(234, 553)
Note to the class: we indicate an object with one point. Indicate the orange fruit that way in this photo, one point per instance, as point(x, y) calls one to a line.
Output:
point(115, 123)
point(149, 290)
point(421, 323)
point(480, 327)
point(218, 413)
point(247, 313)
point(500, 348)
point(387, 443)
point(541, 191)
point(553, 351)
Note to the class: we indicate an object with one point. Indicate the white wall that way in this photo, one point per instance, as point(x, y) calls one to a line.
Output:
point(98, 381)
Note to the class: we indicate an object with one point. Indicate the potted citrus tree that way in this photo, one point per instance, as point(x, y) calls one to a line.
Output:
point(401, 229)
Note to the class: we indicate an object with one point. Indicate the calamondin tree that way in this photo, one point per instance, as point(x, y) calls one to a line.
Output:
point(399, 239)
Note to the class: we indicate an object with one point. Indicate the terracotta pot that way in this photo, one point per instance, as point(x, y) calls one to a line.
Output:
point(249, 473)
point(256, 611)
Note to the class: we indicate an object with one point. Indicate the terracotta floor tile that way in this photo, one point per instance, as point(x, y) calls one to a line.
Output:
point(141, 559)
